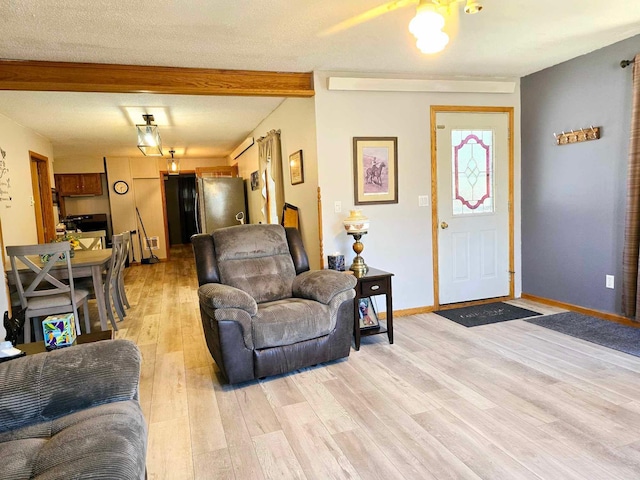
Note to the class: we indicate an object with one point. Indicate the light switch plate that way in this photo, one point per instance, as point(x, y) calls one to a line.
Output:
point(423, 200)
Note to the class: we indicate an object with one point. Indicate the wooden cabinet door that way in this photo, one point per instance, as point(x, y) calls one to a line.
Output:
point(91, 184)
point(68, 184)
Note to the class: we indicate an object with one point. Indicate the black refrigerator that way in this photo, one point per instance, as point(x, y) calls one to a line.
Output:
point(220, 202)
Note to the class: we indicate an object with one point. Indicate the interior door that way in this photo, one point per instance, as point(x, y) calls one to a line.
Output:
point(473, 200)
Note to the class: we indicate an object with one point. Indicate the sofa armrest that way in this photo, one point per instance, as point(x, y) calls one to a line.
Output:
point(45, 386)
point(322, 285)
point(218, 296)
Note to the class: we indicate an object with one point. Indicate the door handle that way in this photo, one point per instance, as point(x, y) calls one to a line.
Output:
point(444, 225)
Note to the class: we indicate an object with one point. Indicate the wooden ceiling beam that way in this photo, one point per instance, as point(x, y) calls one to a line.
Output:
point(96, 77)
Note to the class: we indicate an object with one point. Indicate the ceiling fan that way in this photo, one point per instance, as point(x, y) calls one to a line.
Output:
point(427, 26)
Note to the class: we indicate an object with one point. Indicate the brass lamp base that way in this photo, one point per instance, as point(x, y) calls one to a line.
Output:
point(358, 267)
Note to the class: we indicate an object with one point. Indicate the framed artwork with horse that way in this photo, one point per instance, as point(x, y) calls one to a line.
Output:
point(375, 170)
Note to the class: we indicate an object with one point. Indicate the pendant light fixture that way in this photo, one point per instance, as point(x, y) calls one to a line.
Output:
point(173, 164)
point(149, 141)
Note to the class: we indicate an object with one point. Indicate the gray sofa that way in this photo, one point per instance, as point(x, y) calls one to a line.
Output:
point(73, 414)
point(263, 311)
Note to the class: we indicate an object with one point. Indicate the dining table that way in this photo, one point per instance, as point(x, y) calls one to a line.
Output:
point(84, 264)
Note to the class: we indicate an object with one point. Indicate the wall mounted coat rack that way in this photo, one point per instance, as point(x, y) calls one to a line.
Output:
point(575, 136)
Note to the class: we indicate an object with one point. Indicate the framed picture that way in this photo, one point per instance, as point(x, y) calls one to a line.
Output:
point(296, 168)
point(375, 170)
point(367, 314)
point(254, 180)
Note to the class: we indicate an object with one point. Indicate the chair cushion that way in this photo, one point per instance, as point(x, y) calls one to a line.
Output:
point(289, 321)
point(255, 259)
point(49, 301)
point(107, 441)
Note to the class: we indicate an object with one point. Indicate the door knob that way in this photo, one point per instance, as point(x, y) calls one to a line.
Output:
point(444, 225)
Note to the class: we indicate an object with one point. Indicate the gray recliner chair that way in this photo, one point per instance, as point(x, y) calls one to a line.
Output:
point(263, 311)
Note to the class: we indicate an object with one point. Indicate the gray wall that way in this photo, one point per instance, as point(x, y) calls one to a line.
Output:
point(573, 196)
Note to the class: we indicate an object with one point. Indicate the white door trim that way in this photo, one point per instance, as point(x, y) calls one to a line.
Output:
point(435, 109)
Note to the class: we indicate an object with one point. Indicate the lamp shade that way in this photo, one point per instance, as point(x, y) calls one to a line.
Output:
point(173, 164)
point(356, 222)
point(149, 141)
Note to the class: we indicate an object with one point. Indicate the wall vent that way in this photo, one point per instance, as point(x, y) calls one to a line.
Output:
point(154, 243)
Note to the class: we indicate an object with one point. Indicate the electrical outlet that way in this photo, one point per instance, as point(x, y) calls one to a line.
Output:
point(337, 207)
point(609, 281)
point(423, 200)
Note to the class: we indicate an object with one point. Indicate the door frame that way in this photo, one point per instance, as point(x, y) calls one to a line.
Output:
point(42, 198)
point(435, 109)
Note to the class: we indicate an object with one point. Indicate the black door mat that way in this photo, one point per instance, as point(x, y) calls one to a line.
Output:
point(476, 315)
point(595, 330)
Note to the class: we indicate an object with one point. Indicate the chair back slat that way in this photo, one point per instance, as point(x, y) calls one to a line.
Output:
point(99, 240)
point(43, 284)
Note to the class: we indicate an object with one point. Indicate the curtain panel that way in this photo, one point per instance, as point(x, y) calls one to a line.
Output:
point(631, 253)
point(270, 176)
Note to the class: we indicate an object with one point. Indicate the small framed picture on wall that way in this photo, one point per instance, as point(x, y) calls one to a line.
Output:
point(254, 180)
point(296, 168)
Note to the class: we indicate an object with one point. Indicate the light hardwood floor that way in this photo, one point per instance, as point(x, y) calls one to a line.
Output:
point(505, 401)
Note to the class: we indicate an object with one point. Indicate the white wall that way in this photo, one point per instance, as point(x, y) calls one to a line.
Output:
point(295, 118)
point(18, 214)
point(399, 240)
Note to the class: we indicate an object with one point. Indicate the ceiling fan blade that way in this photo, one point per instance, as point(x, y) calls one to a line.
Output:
point(366, 16)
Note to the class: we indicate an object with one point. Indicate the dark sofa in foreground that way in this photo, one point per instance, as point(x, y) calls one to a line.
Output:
point(73, 414)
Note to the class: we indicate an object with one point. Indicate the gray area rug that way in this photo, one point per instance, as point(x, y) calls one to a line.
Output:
point(608, 334)
point(476, 315)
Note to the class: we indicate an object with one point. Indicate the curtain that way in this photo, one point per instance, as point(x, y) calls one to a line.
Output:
point(270, 176)
point(630, 256)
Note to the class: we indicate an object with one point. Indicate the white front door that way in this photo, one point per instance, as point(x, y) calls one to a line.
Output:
point(472, 154)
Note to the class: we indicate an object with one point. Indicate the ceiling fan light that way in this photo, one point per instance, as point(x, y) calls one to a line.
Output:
point(433, 42)
point(472, 7)
point(427, 19)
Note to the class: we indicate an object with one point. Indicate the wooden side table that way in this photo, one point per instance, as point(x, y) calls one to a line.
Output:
point(38, 346)
point(374, 282)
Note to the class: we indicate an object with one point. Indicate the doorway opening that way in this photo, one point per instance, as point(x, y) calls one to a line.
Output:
point(180, 204)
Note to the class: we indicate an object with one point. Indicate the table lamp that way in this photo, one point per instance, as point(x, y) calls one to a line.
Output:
point(357, 225)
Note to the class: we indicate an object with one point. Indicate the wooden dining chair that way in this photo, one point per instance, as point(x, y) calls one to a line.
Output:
point(126, 245)
point(111, 296)
point(42, 294)
point(98, 240)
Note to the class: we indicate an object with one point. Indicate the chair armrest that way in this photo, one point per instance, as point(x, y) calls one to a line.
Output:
point(218, 296)
point(322, 285)
point(45, 386)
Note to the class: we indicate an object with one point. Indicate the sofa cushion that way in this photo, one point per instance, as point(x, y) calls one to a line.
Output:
point(285, 322)
point(107, 441)
point(255, 259)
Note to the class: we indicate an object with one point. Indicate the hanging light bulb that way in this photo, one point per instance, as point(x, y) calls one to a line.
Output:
point(433, 42)
point(427, 27)
point(173, 164)
point(427, 19)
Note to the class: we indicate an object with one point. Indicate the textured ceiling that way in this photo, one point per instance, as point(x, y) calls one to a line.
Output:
point(509, 38)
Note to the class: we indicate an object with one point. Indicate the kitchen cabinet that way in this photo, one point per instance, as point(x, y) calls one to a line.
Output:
point(68, 184)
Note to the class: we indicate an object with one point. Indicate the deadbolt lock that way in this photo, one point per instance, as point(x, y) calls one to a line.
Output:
point(444, 225)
